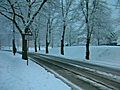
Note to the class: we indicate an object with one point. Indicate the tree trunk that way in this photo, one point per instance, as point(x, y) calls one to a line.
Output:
point(62, 41)
point(24, 48)
point(88, 31)
point(62, 46)
point(35, 45)
point(39, 46)
point(47, 44)
point(52, 42)
point(87, 49)
point(14, 47)
point(70, 38)
point(47, 36)
point(98, 41)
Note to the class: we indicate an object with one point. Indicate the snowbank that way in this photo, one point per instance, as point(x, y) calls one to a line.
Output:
point(16, 75)
point(102, 55)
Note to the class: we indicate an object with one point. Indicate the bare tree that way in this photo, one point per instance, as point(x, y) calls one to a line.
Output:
point(88, 9)
point(49, 13)
point(35, 30)
point(65, 9)
point(16, 10)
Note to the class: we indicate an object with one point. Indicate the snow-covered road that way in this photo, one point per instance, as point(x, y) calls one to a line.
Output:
point(91, 77)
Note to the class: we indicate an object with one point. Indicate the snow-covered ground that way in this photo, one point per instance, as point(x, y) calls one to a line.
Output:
point(101, 55)
point(16, 75)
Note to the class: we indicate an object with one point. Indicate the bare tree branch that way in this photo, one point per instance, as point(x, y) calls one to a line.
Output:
point(82, 7)
point(33, 17)
point(32, 3)
point(20, 16)
point(6, 16)
point(14, 14)
point(95, 3)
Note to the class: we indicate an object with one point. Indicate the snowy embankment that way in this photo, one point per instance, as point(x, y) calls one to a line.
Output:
point(101, 55)
point(16, 75)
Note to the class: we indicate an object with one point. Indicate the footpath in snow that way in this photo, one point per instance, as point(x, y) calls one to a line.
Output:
point(16, 75)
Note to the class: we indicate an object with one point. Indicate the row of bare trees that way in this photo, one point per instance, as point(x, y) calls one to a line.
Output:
point(32, 17)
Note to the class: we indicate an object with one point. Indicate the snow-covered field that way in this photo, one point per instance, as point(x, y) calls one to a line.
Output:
point(101, 55)
point(16, 75)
